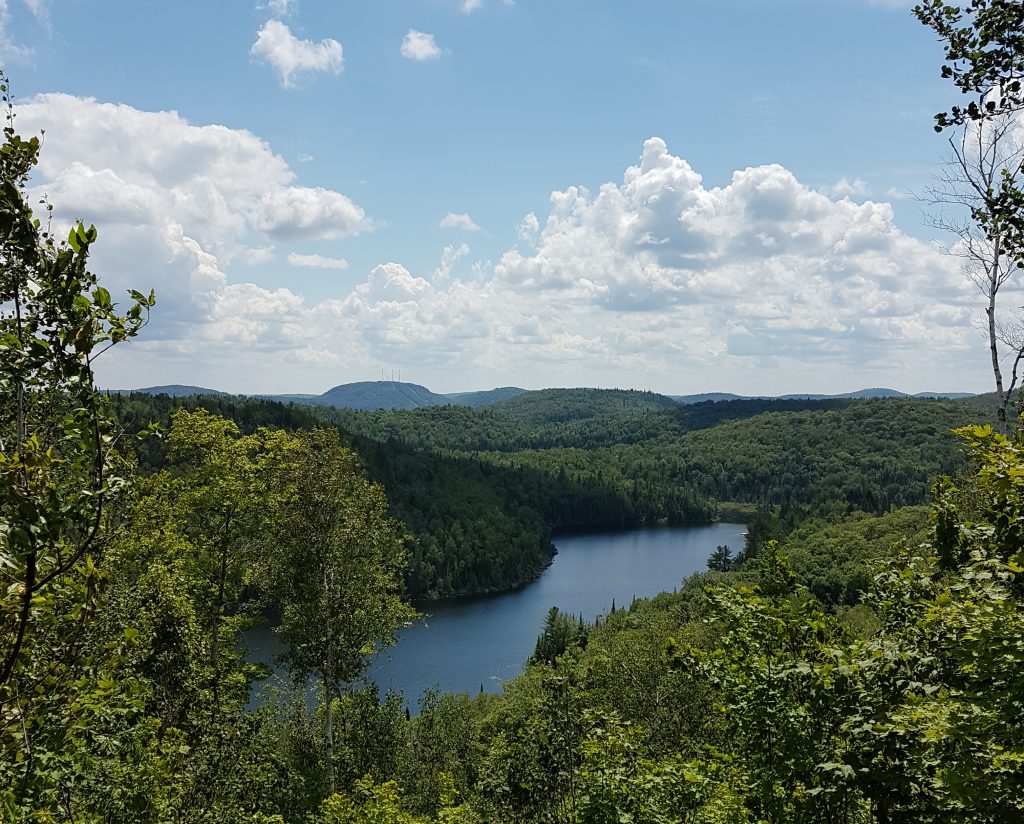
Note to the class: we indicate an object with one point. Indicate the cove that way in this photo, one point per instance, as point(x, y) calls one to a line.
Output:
point(471, 644)
point(463, 646)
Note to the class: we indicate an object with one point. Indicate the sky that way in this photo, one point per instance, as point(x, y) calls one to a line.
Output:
point(676, 196)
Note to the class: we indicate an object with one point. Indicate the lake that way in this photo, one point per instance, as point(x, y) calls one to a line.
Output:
point(473, 644)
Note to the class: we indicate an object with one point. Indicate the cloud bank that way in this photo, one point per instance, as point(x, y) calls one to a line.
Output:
point(655, 280)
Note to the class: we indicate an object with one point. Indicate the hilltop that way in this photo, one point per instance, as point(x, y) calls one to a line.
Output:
point(398, 395)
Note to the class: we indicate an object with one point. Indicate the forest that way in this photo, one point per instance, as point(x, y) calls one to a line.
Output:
point(484, 490)
point(861, 660)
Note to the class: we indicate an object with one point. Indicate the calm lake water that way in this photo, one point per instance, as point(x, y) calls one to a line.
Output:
point(466, 645)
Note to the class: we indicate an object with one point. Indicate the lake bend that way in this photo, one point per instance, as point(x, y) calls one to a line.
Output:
point(466, 645)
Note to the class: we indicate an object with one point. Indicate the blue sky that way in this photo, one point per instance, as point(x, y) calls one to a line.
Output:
point(678, 196)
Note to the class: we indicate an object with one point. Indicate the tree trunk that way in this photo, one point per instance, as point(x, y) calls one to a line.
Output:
point(215, 634)
point(329, 734)
point(328, 693)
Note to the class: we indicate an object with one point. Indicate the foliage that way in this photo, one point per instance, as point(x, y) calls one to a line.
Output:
point(334, 562)
point(621, 784)
point(984, 52)
point(722, 559)
point(59, 477)
point(837, 561)
point(561, 632)
point(482, 521)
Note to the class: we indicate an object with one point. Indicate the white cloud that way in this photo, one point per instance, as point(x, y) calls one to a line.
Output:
point(254, 257)
point(659, 278)
point(848, 188)
point(282, 8)
point(462, 222)
point(176, 205)
point(654, 280)
point(316, 262)
point(764, 264)
point(418, 45)
point(527, 230)
point(449, 258)
point(469, 6)
point(300, 213)
point(275, 44)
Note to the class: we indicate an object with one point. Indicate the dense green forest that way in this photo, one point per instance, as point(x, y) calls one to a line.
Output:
point(865, 668)
point(483, 490)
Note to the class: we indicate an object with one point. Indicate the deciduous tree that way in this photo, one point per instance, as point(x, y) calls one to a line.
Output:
point(59, 472)
point(336, 570)
point(984, 50)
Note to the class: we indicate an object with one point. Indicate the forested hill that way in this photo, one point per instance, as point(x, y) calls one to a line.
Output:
point(483, 490)
point(478, 527)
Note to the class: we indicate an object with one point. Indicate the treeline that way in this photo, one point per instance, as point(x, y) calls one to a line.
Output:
point(483, 519)
point(822, 458)
point(561, 418)
point(477, 527)
point(472, 525)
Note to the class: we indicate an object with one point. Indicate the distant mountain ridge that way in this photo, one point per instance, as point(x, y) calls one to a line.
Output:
point(397, 395)
point(173, 390)
point(875, 392)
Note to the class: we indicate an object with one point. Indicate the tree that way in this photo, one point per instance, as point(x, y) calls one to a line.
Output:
point(561, 632)
point(336, 570)
point(218, 497)
point(985, 156)
point(59, 468)
point(984, 45)
point(722, 559)
point(984, 50)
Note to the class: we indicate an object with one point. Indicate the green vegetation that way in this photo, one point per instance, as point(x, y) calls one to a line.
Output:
point(483, 490)
point(867, 668)
point(985, 174)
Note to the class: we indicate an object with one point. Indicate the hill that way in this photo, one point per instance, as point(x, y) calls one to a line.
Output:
point(485, 397)
point(380, 395)
point(172, 390)
point(702, 397)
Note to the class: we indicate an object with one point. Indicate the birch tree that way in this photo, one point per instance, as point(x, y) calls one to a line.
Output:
point(983, 43)
point(336, 571)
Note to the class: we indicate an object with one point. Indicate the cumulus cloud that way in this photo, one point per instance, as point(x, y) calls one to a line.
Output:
point(848, 188)
point(449, 258)
point(177, 204)
point(654, 279)
point(762, 265)
point(275, 44)
point(418, 45)
point(462, 222)
point(316, 262)
point(301, 213)
point(528, 228)
point(469, 6)
point(254, 257)
point(659, 277)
